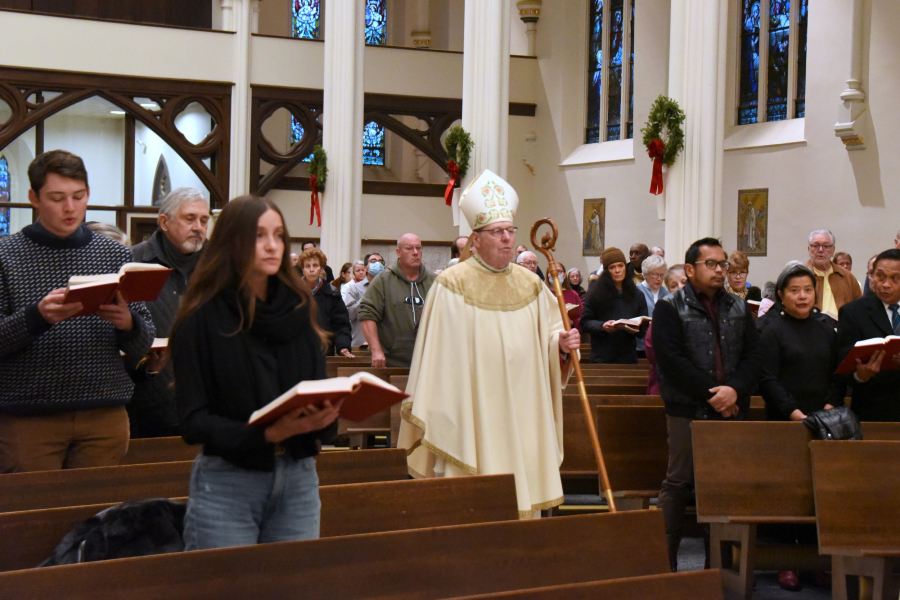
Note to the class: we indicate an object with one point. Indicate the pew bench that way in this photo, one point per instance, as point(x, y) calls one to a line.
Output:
point(100, 485)
point(386, 423)
point(347, 509)
point(857, 492)
point(417, 564)
point(156, 450)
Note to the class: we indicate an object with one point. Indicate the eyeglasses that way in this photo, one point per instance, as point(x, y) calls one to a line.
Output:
point(712, 264)
point(653, 276)
point(739, 274)
point(497, 233)
point(821, 246)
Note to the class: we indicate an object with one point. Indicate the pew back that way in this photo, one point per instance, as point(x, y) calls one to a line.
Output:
point(156, 450)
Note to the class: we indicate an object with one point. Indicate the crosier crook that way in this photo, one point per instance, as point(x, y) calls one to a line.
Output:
point(546, 247)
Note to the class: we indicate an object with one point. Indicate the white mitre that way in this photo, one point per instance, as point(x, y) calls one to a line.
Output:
point(488, 199)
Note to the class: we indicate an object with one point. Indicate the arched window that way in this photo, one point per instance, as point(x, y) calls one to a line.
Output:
point(611, 73)
point(5, 187)
point(306, 24)
point(772, 60)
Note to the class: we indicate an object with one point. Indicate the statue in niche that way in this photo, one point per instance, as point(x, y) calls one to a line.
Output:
point(162, 185)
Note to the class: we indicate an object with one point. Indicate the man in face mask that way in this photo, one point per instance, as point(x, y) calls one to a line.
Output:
point(353, 295)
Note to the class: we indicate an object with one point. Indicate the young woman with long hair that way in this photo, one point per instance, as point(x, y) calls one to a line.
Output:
point(612, 297)
point(246, 332)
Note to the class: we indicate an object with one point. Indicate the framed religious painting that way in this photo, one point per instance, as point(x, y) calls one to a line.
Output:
point(753, 222)
point(594, 236)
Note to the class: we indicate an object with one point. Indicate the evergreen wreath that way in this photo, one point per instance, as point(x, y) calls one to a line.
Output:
point(665, 113)
point(459, 144)
point(318, 166)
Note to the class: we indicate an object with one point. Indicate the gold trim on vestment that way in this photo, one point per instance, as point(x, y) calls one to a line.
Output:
point(454, 461)
point(529, 514)
point(480, 286)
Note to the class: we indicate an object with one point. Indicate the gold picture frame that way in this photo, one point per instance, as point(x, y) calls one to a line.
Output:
point(593, 239)
point(753, 222)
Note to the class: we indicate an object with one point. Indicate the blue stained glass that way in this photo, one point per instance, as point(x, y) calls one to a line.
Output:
point(749, 85)
point(630, 133)
point(779, 26)
point(297, 133)
point(306, 19)
point(595, 72)
point(4, 196)
point(802, 20)
point(373, 144)
point(376, 22)
point(614, 82)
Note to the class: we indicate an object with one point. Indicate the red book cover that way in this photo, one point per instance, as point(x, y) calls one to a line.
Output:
point(92, 297)
point(864, 350)
point(138, 282)
point(143, 286)
point(364, 395)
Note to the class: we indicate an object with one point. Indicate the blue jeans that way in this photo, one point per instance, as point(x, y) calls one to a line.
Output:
point(232, 506)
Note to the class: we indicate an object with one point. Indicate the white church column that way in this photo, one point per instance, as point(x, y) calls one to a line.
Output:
point(849, 126)
point(342, 116)
point(485, 112)
point(697, 50)
point(238, 16)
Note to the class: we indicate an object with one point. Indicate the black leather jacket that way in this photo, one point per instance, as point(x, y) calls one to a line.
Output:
point(685, 345)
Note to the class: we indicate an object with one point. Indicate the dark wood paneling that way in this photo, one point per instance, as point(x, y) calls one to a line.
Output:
point(385, 188)
point(183, 13)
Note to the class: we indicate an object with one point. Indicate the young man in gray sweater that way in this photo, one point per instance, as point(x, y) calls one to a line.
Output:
point(65, 387)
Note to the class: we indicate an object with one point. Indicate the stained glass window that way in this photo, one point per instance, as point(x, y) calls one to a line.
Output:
point(631, 79)
point(376, 22)
point(373, 144)
point(306, 19)
point(779, 27)
point(749, 87)
point(595, 72)
point(802, 17)
point(4, 195)
point(614, 83)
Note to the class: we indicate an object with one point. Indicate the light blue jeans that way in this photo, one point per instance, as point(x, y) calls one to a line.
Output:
point(232, 506)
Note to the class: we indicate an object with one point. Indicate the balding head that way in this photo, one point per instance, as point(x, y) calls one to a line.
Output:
point(409, 254)
point(637, 254)
point(528, 260)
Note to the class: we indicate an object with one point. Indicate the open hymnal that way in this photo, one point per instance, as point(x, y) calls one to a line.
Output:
point(363, 394)
point(138, 282)
point(864, 349)
point(634, 323)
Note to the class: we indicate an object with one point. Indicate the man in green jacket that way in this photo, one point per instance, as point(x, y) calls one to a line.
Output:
point(390, 311)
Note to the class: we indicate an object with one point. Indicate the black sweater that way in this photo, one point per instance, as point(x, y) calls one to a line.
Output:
point(799, 357)
point(618, 347)
point(222, 377)
point(332, 316)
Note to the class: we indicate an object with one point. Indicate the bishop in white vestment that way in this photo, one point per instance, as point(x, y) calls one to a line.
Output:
point(490, 364)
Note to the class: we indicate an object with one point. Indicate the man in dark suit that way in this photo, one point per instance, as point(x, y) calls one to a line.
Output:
point(876, 394)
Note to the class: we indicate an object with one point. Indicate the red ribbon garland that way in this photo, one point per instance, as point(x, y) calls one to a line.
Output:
point(314, 209)
point(453, 168)
point(656, 149)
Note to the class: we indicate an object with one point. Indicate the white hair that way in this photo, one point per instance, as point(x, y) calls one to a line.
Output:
point(521, 257)
point(178, 198)
point(819, 231)
point(654, 261)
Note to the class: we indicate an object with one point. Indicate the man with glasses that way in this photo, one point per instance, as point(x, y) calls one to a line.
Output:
point(835, 285)
point(528, 260)
point(490, 365)
point(708, 359)
point(391, 309)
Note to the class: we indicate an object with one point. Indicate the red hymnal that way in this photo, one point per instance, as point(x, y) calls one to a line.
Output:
point(138, 282)
point(364, 395)
point(863, 350)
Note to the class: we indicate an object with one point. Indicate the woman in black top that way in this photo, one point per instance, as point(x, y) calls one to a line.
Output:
point(246, 332)
point(331, 312)
point(799, 350)
point(613, 296)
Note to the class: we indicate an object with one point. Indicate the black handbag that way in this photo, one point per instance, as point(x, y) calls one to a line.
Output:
point(835, 424)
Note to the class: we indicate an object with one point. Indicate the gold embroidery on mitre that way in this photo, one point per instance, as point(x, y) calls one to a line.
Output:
point(510, 289)
point(494, 198)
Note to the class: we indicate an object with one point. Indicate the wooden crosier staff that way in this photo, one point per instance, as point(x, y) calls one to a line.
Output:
point(547, 245)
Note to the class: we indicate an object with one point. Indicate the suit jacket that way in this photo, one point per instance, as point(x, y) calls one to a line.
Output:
point(879, 398)
point(844, 286)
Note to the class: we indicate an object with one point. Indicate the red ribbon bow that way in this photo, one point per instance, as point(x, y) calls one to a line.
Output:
point(453, 168)
point(656, 149)
point(314, 210)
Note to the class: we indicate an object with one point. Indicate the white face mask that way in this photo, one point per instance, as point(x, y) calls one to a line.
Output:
point(562, 277)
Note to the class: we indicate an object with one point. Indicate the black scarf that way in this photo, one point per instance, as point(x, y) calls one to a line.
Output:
point(174, 258)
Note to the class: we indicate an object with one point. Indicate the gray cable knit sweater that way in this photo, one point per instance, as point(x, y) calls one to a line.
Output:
point(75, 364)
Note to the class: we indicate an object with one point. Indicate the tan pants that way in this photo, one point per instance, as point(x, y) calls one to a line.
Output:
point(69, 440)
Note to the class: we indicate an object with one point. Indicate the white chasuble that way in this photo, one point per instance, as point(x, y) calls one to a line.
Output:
point(486, 382)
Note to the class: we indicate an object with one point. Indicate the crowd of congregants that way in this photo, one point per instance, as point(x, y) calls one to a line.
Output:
point(77, 388)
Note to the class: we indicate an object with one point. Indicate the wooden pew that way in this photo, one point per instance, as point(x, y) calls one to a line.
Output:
point(418, 564)
point(77, 487)
point(693, 585)
point(389, 506)
point(385, 423)
point(157, 450)
point(857, 492)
